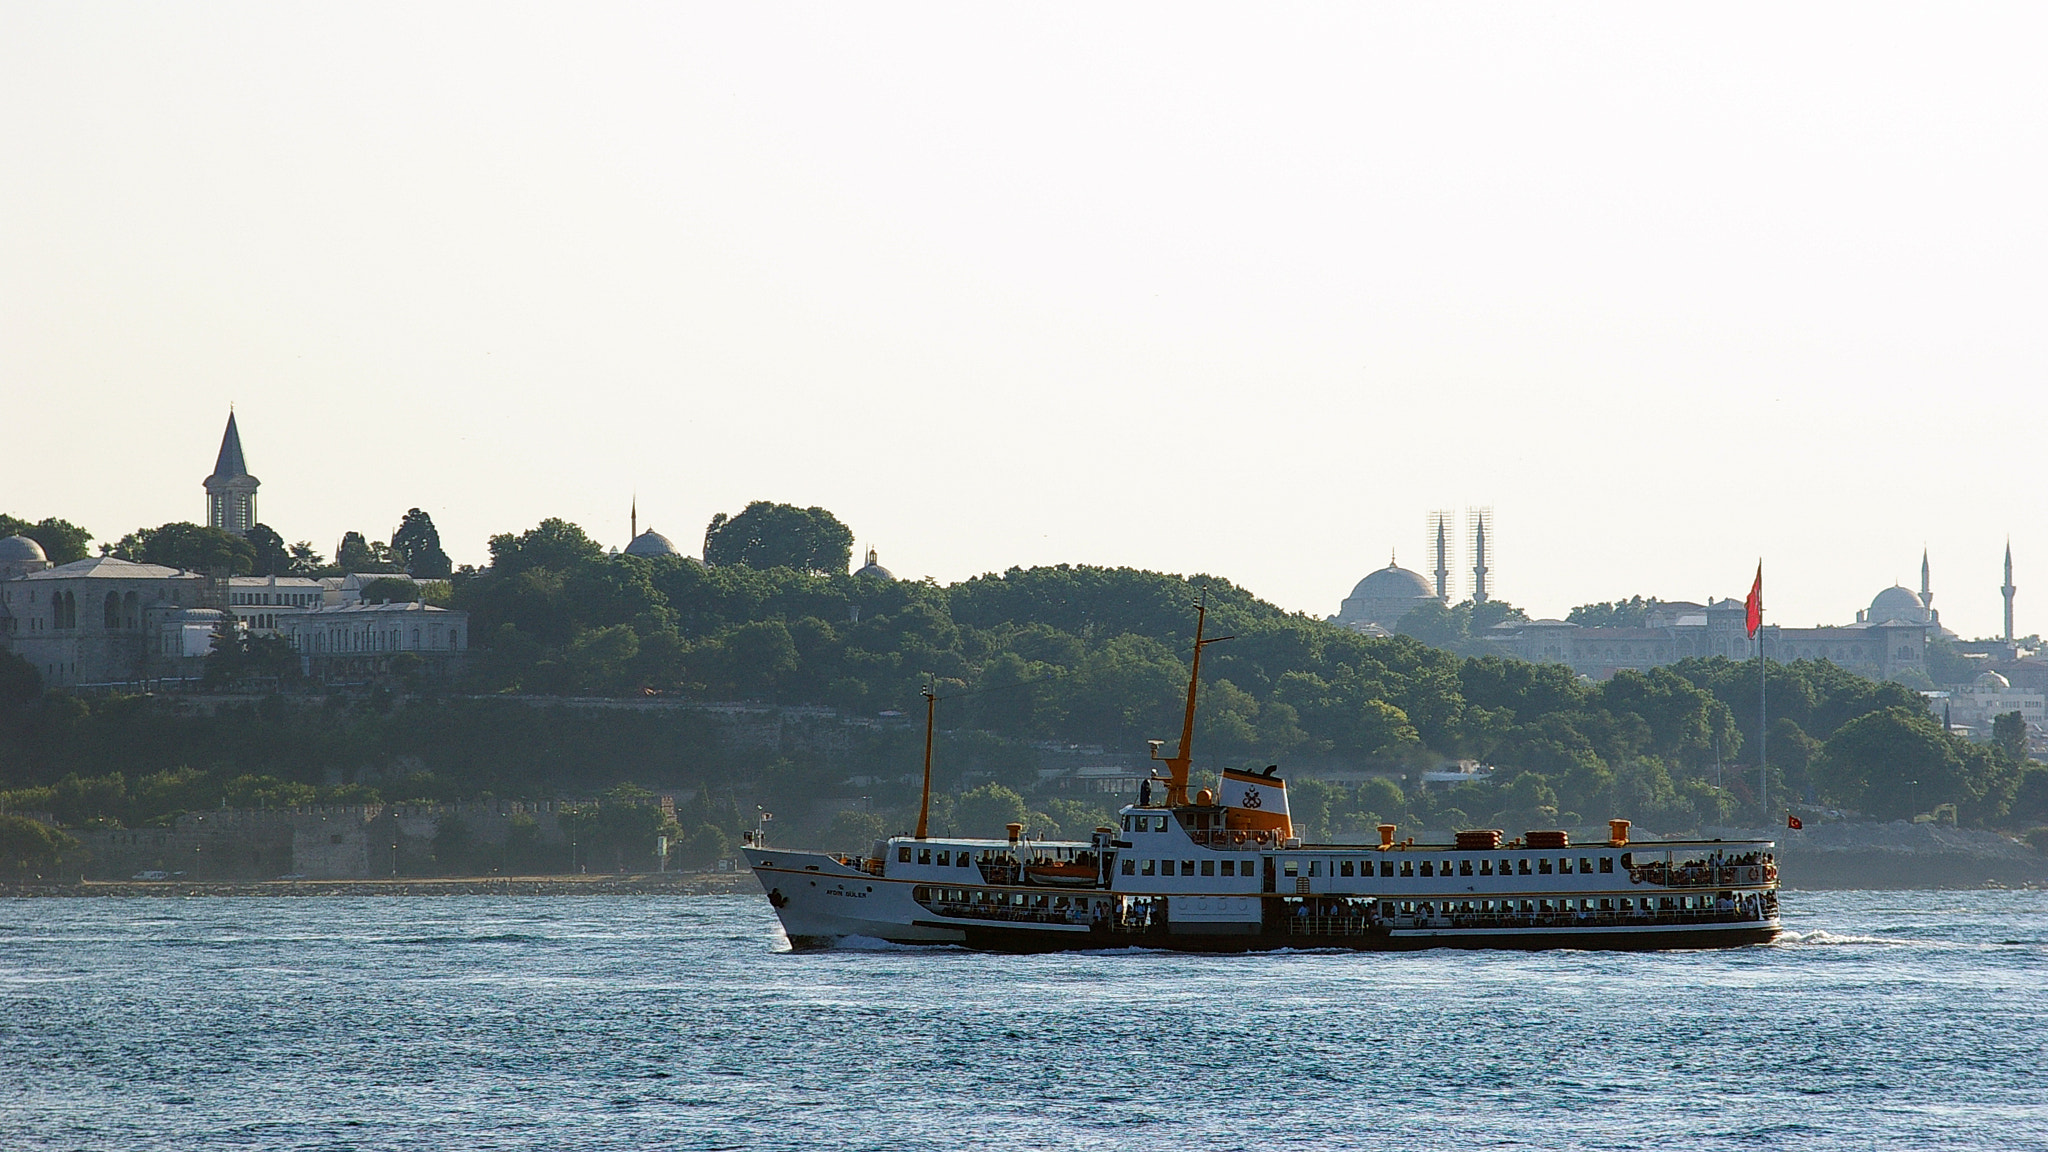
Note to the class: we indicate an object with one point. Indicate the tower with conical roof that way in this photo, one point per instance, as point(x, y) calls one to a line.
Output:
point(231, 491)
point(2008, 590)
point(1926, 587)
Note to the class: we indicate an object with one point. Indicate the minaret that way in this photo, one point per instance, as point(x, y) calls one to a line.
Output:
point(634, 523)
point(231, 491)
point(1443, 562)
point(1479, 561)
point(1926, 588)
point(2008, 590)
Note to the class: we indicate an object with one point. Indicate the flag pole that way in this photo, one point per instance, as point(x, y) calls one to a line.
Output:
point(1763, 728)
point(1753, 618)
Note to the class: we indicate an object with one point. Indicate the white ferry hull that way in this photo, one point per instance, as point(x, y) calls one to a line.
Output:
point(822, 902)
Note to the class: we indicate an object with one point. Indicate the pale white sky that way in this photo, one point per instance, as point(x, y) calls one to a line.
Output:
point(1245, 289)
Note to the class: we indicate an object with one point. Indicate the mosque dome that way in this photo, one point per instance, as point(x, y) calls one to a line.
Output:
point(1394, 583)
point(1897, 604)
point(1989, 681)
point(21, 550)
point(1385, 596)
point(874, 568)
point(650, 544)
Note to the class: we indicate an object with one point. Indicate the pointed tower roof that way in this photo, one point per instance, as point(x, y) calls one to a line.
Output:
point(229, 466)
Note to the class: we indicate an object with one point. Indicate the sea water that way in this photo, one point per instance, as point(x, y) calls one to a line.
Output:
point(1882, 1020)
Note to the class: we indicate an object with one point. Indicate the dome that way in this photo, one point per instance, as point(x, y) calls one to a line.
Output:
point(1992, 682)
point(21, 550)
point(1897, 604)
point(1394, 583)
point(1385, 596)
point(874, 569)
point(651, 543)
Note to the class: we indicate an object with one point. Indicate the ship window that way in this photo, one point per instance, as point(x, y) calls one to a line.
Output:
point(1292, 868)
point(1127, 823)
point(1564, 865)
point(1464, 867)
point(1525, 866)
point(1230, 867)
point(1486, 867)
point(1208, 867)
point(903, 855)
point(1428, 869)
point(1585, 865)
point(1407, 868)
point(1386, 867)
point(945, 859)
point(1668, 904)
point(1543, 866)
point(963, 860)
point(1315, 867)
point(1151, 868)
point(924, 855)
point(1606, 905)
point(1187, 867)
point(1344, 868)
point(1130, 867)
point(1607, 863)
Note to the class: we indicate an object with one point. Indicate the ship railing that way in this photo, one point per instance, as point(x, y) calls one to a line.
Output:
point(1009, 913)
point(1698, 875)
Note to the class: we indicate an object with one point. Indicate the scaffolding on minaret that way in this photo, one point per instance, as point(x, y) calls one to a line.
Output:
point(1479, 530)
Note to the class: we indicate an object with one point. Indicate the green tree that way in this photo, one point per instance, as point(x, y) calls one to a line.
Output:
point(983, 811)
point(20, 683)
point(186, 545)
point(1633, 612)
point(702, 846)
point(357, 554)
point(417, 545)
point(391, 590)
point(769, 535)
point(305, 559)
point(851, 830)
point(2009, 733)
point(27, 847)
point(553, 544)
point(62, 540)
point(1898, 762)
point(272, 557)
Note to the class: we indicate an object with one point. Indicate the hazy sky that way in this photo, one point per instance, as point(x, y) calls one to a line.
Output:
point(1246, 290)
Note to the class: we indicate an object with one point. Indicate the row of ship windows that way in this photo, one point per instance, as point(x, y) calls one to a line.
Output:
point(1005, 899)
point(1565, 866)
point(1565, 904)
point(944, 860)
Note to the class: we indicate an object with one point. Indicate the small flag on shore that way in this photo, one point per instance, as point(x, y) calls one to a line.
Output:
point(1753, 608)
point(1792, 822)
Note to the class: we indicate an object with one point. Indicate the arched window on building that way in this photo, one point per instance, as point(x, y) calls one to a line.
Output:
point(129, 610)
point(111, 611)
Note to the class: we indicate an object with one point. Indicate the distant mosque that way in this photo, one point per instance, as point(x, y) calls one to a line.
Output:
point(650, 544)
point(1379, 601)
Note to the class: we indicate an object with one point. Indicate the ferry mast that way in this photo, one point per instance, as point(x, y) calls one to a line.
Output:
point(1177, 765)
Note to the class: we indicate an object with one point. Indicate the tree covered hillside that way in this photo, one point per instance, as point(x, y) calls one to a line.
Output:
point(1069, 655)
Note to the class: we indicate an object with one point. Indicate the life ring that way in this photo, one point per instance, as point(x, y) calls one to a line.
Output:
point(1237, 836)
point(1752, 874)
point(1635, 875)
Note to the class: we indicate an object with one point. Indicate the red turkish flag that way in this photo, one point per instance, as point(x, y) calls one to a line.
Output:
point(1792, 822)
point(1753, 608)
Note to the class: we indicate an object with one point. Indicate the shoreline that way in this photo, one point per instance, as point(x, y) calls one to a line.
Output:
point(630, 884)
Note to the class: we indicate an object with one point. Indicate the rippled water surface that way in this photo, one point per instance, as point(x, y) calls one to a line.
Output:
point(1885, 1020)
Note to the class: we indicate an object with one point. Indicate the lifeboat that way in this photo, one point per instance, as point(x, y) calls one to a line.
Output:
point(1061, 874)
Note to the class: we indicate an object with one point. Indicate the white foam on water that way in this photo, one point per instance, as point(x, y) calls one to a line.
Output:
point(1822, 937)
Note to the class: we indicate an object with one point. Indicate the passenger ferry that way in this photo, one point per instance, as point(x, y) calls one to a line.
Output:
point(1224, 872)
